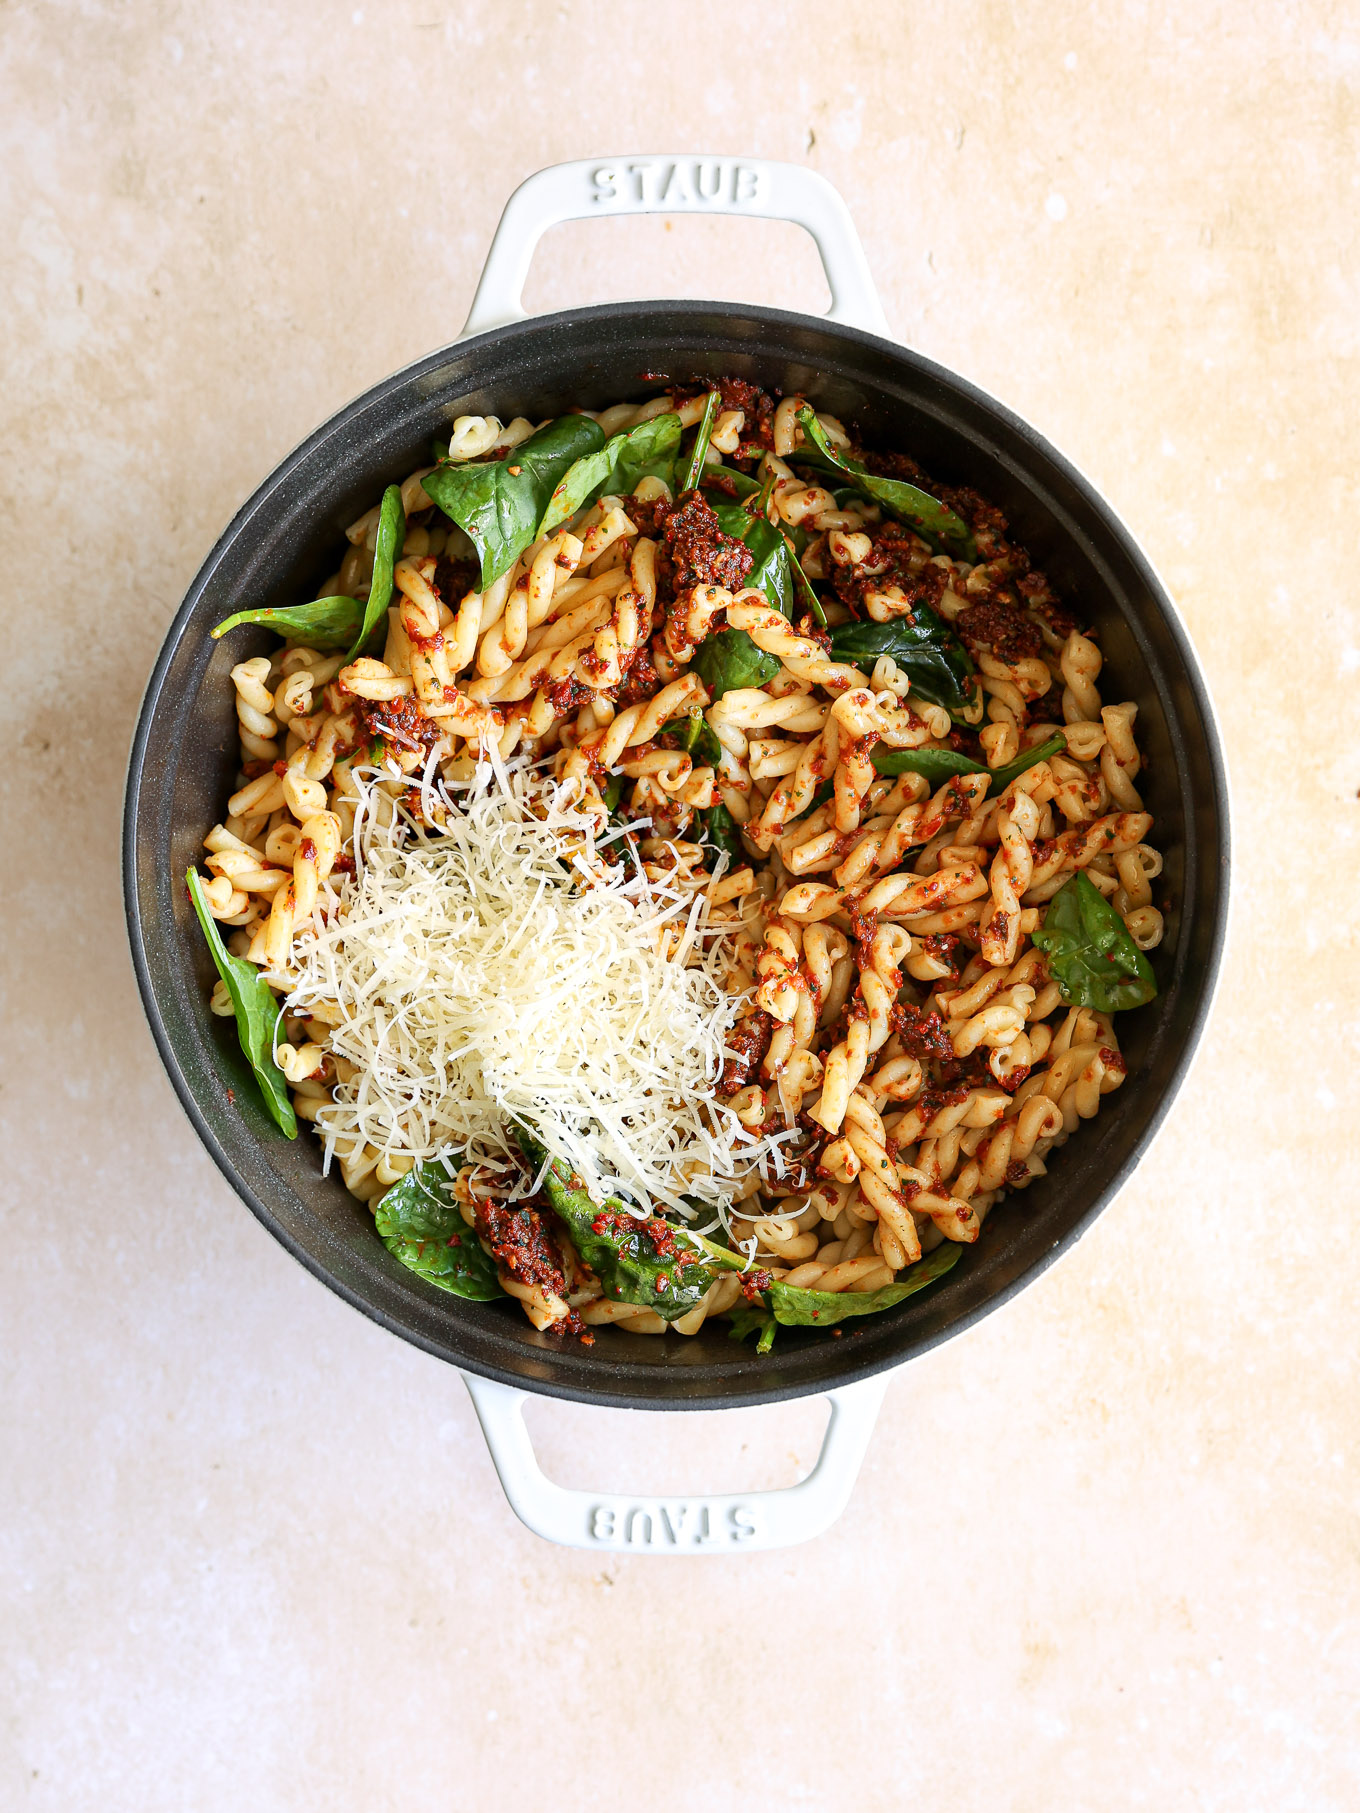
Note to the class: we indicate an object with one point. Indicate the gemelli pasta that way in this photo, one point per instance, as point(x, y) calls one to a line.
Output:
point(683, 866)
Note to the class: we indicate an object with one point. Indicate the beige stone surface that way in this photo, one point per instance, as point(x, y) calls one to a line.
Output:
point(1104, 1553)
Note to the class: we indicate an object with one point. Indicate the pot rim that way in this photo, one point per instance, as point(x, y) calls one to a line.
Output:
point(342, 421)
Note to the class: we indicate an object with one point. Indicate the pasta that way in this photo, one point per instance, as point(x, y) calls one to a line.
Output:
point(843, 764)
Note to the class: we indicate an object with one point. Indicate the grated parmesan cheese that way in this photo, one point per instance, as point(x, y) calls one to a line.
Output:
point(499, 969)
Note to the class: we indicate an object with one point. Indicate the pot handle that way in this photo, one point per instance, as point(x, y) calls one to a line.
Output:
point(705, 1524)
point(596, 186)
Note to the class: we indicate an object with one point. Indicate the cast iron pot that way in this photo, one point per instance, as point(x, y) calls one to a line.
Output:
point(281, 545)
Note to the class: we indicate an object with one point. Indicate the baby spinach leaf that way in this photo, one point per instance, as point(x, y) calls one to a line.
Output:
point(729, 483)
point(720, 829)
point(693, 734)
point(803, 584)
point(935, 521)
point(796, 1308)
point(771, 570)
point(938, 765)
point(703, 434)
point(257, 1012)
point(753, 1319)
point(650, 1263)
point(386, 553)
point(612, 792)
point(324, 623)
point(421, 1224)
point(923, 646)
point(500, 503)
point(648, 450)
point(728, 660)
point(1091, 956)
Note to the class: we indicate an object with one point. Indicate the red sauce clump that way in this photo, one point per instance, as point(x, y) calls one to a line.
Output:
point(400, 721)
point(747, 1044)
point(625, 1228)
point(520, 1241)
point(923, 1035)
point(944, 948)
point(698, 551)
point(1000, 629)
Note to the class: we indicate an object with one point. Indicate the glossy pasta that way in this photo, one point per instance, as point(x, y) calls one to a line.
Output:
point(877, 862)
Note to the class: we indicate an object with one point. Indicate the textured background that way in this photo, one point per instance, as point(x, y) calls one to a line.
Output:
point(1104, 1553)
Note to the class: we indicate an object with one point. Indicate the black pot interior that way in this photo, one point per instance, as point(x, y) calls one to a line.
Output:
point(287, 540)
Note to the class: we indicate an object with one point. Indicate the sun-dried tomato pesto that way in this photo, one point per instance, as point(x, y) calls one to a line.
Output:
point(747, 1044)
point(521, 1241)
point(999, 629)
point(898, 558)
point(923, 1034)
point(400, 721)
point(626, 1228)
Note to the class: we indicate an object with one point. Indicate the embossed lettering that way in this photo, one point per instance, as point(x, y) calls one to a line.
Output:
point(706, 191)
point(745, 1523)
point(706, 1532)
point(643, 173)
point(602, 1523)
point(606, 185)
point(677, 187)
point(674, 1526)
point(747, 183)
point(635, 1516)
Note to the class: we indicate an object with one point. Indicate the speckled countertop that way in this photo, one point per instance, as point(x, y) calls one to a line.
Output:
point(1104, 1552)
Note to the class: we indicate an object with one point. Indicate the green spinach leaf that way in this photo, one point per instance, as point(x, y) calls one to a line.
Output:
point(771, 570)
point(324, 623)
point(257, 1012)
point(729, 483)
point(421, 1224)
point(923, 646)
point(720, 829)
point(651, 1263)
point(694, 735)
point(612, 792)
point(386, 553)
point(500, 503)
point(1090, 954)
point(935, 521)
point(939, 765)
point(795, 1308)
point(703, 434)
point(728, 660)
point(648, 450)
point(753, 1319)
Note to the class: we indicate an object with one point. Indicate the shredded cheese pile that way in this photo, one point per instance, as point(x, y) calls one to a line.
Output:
point(499, 969)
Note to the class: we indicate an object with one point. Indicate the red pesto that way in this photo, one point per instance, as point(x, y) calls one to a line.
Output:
point(863, 929)
point(923, 1035)
point(747, 1044)
point(699, 552)
point(400, 720)
point(521, 1242)
point(610, 1224)
point(943, 947)
point(1000, 628)
point(898, 558)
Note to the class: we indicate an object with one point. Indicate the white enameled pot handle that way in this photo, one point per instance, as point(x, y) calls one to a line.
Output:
point(704, 1524)
point(679, 184)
